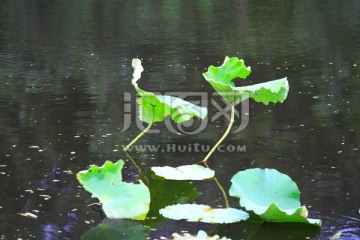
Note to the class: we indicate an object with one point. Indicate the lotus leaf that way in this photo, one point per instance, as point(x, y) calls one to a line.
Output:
point(154, 108)
point(221, 78)
point(270, 194)
point(185, 172)
point(203, 213)
point(119, 199)
point(201, 235)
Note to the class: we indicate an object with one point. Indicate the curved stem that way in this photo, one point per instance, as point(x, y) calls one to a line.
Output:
point(138, 137)
point(220, 187)
point(224, 135)
point(223, 192)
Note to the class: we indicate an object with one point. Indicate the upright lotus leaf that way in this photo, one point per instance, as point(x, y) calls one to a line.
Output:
point(185, 172)
point(203, 213)
point(270, 194)
point(221, 78)
point(272, 91)
point(119, 199)
point(230, 69)
point(154, 108)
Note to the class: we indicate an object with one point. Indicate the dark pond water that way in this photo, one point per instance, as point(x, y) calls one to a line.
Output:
point(65, 68)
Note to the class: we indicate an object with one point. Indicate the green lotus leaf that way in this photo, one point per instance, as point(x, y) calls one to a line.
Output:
point(230, 69)
point(221, 78)
point(185, 172)
point(154, 108)
point(275, 214)
point(203, 213)
point(201, 235)
point(119, 199)
point(272, 195)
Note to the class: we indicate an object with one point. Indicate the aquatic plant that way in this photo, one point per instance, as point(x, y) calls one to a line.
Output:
point(203, 213)
point(222, 80)
point(271, 195)
point(154, 108)
point(119, 199)
point(185, 172)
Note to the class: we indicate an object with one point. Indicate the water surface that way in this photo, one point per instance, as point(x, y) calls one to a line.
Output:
point(65, 67)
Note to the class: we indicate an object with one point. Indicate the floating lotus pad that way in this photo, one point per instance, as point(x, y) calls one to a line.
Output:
point(203, 213)
point(270, 194)
point(154, 108)
point(201, 235)
point(185, 172)
point(221, 78)
point(119, 199)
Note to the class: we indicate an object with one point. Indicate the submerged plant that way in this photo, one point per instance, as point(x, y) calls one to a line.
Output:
point(221, 79)
point(154, 108)
point(113, 229)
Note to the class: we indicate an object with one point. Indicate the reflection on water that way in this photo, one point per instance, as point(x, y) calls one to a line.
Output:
point(65, 65)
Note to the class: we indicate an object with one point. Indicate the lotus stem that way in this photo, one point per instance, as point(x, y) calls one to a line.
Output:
point(224, 136)
point(220, 187)
point(138, 137)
